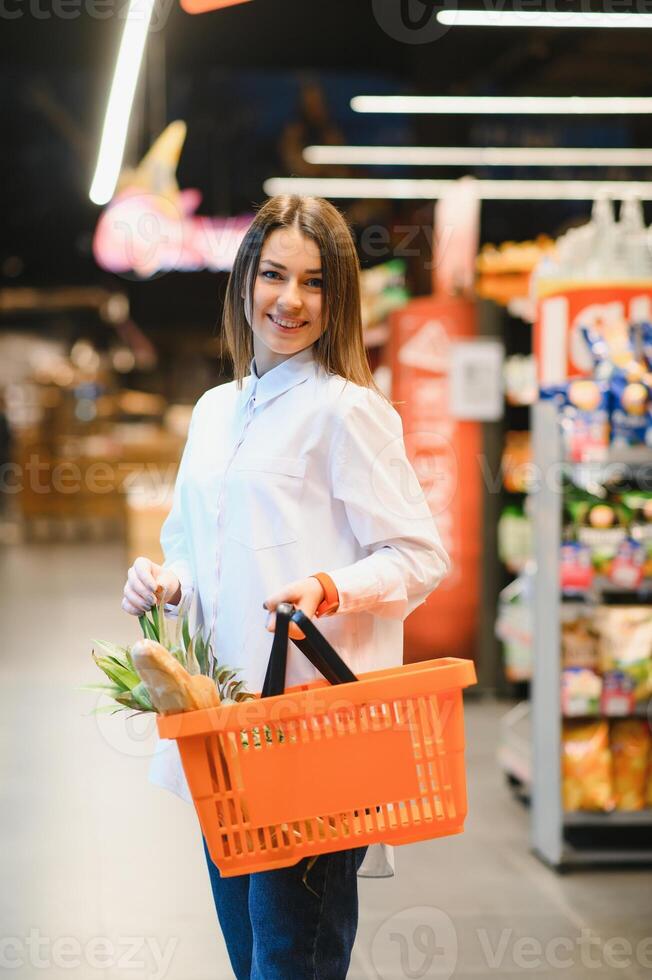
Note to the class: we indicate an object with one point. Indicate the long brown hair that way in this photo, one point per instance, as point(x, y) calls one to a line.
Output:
point(340, 347)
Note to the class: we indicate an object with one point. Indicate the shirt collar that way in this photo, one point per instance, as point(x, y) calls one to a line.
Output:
point(281, 378)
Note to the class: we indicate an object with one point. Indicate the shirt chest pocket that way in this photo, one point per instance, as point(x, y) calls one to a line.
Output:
point(263, 500)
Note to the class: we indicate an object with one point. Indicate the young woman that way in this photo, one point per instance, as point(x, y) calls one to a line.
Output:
point(294, 486)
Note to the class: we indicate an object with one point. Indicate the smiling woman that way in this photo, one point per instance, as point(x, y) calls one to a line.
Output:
point(293, 488)
point(298, 274)
point(287, 298)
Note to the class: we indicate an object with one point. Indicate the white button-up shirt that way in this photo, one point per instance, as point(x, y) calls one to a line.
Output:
point(298, 472)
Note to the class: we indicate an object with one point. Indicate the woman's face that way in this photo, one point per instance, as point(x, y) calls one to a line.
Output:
point(287, 298)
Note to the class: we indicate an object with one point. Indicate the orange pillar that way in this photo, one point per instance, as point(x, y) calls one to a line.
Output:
point(445, 454)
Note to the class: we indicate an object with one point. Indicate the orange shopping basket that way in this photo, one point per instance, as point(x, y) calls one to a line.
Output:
point(334, 764)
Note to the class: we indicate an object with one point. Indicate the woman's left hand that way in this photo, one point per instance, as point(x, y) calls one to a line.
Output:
point(306, 594)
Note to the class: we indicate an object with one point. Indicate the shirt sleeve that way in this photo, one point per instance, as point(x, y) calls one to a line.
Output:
point(387, 511)
point(174, 538)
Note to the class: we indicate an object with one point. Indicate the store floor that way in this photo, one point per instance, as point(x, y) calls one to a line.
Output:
point(103, 874)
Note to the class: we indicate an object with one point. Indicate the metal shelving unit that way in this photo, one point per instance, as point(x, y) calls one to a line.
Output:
point(566, 839)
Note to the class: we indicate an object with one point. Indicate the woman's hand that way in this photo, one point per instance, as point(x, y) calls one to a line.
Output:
point(305, 594)
point(144, 580)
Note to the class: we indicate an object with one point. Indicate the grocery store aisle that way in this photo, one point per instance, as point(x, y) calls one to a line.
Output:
point(103, 874)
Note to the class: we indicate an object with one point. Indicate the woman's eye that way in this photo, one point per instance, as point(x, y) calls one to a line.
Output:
point(270, 273)
point(317, 283)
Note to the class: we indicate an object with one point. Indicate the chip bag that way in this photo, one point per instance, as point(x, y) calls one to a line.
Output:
point(630, 751)
point(586, 766)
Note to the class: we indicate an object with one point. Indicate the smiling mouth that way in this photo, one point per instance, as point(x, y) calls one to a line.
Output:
point(287, 324)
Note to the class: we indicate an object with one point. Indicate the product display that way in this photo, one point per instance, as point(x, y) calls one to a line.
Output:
point(605, 765)
point(630, 751)
point(586, 768)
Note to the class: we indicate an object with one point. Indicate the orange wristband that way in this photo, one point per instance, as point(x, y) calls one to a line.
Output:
point(331, 600)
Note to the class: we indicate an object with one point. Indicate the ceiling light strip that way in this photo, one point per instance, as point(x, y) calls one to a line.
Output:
point(478, 156)
point(543, 18)
point(118, 112)
point(502, 105)
point(349, 188)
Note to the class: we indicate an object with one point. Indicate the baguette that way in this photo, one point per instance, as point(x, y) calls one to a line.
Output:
point(203, 692)
point(167, 682)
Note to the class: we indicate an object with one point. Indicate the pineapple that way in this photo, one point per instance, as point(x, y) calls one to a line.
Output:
point(193, 654)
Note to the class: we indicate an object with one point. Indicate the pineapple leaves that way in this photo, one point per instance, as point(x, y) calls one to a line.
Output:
point(194, 653)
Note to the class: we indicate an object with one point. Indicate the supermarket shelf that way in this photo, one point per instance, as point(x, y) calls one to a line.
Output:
point(642, 710)
point(617, 818)
point(558, 838)
point(616, 456)
point(603, 591)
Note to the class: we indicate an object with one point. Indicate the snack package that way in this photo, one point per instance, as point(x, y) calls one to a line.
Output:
point(578, 644)
point(585, 420)
point(630, 402)
point(625, 644)
point(612, 346)
point(601, 526)
point(639, 502)
point(627, 569)
point(575, 568)
point(646, 343)
point(630, 750)
point(580, 692)
point(586, 766)
point(618, 694)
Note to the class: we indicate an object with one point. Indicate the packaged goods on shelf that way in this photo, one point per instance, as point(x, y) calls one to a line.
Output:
point(581, 691)
point(630, 752)
point(586, 766)
point(612, 408)
point(639, 503)
point(606, 659)
point(606, 765)
point(625, 644)
point(579, 644)
point(382, 290)
point(517, 462)
point(612, 532)
point(599, 525)
point(597, 670)
point(575, 568)
point(504, 271)
point(514, 537)
point(618, 694)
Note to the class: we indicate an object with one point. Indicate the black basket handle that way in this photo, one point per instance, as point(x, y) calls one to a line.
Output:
point(315, 647)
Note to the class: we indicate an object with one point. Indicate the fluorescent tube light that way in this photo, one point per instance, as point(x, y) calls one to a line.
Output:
point(502, 105)
point(116, 121)
point(488, 190)
point(478, 156)
point(542, 18)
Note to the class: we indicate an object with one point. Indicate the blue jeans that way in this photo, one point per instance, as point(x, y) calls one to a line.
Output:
point(276, 928)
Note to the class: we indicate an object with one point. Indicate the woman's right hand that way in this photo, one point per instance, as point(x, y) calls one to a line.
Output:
point(144, 579)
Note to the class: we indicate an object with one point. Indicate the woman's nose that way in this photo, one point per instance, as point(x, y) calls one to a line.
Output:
point(290, 298)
